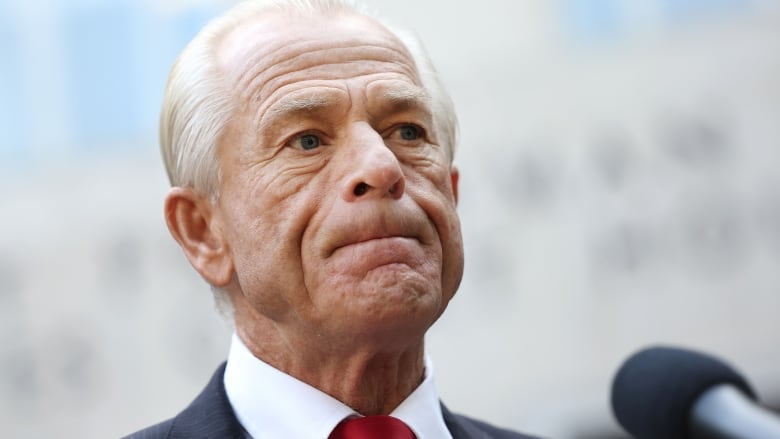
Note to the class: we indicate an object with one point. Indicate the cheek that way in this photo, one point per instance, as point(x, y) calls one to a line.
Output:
point(452, 270)
point(264, 240)
point(275, 205)
point(432, 182)
point(430, 165)
point(267, 229)
point(431, 187)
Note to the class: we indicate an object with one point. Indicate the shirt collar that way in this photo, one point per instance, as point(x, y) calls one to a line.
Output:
point(271, 404)
point(421, 410)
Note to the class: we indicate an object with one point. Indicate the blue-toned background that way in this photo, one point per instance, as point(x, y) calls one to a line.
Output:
point(620, 187)
point(79, 75)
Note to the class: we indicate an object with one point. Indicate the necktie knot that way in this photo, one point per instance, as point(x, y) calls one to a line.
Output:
point(372, 427)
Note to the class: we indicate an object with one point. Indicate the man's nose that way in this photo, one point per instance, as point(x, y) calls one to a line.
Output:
point(374, 171)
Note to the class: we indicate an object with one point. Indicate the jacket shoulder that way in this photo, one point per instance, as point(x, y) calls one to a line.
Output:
point(157, 431)
point(209, 416)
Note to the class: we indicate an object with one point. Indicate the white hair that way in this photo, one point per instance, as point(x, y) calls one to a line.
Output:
point(199, 102)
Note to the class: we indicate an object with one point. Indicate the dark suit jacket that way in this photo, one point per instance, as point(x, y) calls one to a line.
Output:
point(210, 416)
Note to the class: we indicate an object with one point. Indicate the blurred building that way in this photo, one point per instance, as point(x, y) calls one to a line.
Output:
point(619, 188)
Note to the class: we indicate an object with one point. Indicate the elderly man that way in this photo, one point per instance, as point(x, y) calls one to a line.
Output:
point(310, 149)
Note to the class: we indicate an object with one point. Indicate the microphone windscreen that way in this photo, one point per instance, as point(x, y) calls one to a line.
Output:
point(655, 389)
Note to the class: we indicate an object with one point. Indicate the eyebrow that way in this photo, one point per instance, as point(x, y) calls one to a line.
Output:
point(302, 104)
point(406, 96)
point(396, 97)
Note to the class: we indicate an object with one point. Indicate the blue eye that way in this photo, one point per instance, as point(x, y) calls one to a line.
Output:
point(308, 141)
point(410, 132)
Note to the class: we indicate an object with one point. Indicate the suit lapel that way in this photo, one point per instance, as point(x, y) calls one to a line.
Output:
point(459, 429)
point(209, 415)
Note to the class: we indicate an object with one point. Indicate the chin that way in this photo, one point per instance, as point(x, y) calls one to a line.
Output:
point(401, 308)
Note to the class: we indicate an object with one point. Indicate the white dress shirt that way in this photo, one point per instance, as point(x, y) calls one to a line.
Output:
point(270, 404)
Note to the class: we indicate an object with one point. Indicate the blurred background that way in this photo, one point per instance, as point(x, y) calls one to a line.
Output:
point(619, 188)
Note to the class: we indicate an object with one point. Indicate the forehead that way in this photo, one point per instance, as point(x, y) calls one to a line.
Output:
point(277, 49)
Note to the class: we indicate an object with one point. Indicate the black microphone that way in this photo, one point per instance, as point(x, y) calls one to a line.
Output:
point(670, 393)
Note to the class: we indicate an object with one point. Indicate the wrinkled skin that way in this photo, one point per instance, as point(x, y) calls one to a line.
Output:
point(335, 233)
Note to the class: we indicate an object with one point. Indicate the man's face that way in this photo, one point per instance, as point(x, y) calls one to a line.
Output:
point(336, 200)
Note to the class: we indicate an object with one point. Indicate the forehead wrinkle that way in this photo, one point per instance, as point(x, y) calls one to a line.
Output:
point(302, 48)
point(255, 80)
point(273, 86)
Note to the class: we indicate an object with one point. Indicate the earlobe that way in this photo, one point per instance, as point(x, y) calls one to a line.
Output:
point(454, 177)
point(192, 221)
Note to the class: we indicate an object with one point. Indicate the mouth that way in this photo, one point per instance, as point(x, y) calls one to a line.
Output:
point(380, 229)
point(387, 239)
point(388, 252)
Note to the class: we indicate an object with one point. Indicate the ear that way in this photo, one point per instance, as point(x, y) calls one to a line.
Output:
point(192, 221)
point(454, 177)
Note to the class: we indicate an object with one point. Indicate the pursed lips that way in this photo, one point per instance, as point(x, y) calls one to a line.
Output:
point(363, 228)
point(375, 237)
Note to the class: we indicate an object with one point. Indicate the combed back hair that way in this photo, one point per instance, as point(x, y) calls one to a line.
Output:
point(199, 102)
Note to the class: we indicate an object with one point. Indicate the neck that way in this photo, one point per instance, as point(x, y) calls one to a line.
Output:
point(370, 376)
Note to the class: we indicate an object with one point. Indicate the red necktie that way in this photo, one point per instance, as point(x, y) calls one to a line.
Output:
point(372, 427)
